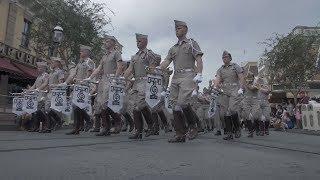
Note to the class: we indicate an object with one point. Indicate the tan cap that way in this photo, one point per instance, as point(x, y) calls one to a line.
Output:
point(180, 23)
point(141, 36)
point(226, 53)
point(83, 47)
point(118, 46)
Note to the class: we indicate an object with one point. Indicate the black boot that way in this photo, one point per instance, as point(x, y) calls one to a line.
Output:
point(256, 127)
point(149, 120)
point(250, 128)
point(179, 127)
point(218, 133)
point(104, 132)
point(156, 125)
point(262, 128)
point(228, 128)
point(138, 123)
point(191, 119)
point(164, 121)
point(266, 126)
point(129, 121)
point(236, 124)
point(97, 123)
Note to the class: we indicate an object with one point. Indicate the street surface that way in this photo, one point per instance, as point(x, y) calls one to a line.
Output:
point(34, 156)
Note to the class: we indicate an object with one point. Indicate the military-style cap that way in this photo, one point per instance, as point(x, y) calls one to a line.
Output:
point(141, 36)
point(42, 64)
point(118, 46)
point(111, 37)
point(83, 47)
point(226, 53)
point(180, 23)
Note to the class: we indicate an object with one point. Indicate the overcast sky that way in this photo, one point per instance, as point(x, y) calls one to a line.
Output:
point(234, 25)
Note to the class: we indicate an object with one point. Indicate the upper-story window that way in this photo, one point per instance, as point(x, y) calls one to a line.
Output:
point(26, 33)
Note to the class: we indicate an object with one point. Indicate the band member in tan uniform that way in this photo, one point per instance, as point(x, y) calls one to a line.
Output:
point(186, 56)
point(110, 66)
point(139, 62)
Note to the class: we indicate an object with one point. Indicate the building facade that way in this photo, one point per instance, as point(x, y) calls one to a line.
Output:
point(17, 59)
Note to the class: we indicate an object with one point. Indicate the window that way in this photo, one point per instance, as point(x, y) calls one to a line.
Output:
point(26, 34)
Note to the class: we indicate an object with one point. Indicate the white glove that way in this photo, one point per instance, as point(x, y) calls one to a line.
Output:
point(163, 93)
point(240, 91)
point(198, 78)
point(194, 93)
point(87, 79)
point(63, 84)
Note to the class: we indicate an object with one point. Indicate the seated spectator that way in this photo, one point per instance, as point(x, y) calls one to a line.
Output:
point(286, 119)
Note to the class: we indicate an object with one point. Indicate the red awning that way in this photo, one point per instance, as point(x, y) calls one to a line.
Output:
point(29, 71)
point(7, 66)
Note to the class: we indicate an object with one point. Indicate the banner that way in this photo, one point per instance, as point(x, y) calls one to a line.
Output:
point(17, 105)
point(30, 103)
point(153, 90)
point(116, 96)
point(58, 99)
point(80, 96)
point(213, 105)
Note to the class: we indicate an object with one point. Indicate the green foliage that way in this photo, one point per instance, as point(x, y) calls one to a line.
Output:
point(83, 22)
point(291, 60)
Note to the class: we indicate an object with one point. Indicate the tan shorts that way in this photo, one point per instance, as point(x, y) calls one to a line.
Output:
point(182, 86)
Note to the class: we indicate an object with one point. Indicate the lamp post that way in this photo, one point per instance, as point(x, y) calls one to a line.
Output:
point(57, 38)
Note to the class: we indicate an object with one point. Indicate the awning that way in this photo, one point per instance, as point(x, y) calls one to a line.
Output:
point(30, 72)
point(7, 66)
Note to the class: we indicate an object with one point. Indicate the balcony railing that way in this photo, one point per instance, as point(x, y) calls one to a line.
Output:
point(17, 55)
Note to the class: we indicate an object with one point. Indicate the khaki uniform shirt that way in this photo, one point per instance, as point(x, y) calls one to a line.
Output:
point(56, 76)
point(184, 53)
point(41, 79)
point(109, 62)
point(83, 68)
point(141, 60)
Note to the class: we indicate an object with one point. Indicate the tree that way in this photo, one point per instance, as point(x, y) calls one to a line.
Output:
point(291, 61)
point(83, 22)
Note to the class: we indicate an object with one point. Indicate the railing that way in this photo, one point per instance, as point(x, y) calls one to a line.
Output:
point(17, 55)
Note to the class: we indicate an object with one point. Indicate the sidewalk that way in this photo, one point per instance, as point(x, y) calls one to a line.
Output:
point(301, 131)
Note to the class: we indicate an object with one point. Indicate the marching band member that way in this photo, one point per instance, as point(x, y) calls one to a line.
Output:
point(110, 66)
point(250, 103)
point(184, 55)
point(142, 59)
point(39, 85)
point(230, 78)
point(82, 71)
point(55, 77)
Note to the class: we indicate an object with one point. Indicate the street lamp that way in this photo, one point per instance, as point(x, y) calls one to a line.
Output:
point(57, 38)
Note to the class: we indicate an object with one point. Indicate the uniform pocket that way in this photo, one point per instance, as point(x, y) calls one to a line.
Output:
point(186, 49)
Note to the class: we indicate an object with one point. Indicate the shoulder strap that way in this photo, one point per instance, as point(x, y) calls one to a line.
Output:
point(191, 44)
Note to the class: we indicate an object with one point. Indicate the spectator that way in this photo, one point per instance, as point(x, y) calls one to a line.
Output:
point(279, 112)
point(287, 121)
point(298, 116)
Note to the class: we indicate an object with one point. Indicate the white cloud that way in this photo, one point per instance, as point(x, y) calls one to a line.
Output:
point(234, 25)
